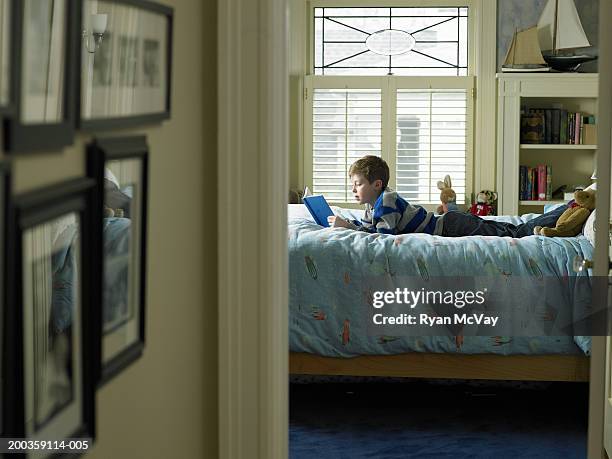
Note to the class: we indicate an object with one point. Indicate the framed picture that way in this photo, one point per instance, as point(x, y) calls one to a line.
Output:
point(120, 167)
point(45, 40)
point(126, 63)
point(7, 55)
point(49, 326)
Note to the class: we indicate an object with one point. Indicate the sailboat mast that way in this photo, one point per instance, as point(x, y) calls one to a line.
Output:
point(555, 27)
point(514, 44)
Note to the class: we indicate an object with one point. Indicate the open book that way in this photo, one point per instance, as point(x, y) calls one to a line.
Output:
point(318, 208)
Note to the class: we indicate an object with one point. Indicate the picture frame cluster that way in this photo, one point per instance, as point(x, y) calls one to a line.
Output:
point(88, 65)
point(73, 255)
point(73, 303)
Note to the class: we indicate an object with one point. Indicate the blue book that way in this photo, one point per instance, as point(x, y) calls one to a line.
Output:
point(318, 208)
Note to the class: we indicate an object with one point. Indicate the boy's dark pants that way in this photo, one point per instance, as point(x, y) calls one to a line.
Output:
point(455, 224)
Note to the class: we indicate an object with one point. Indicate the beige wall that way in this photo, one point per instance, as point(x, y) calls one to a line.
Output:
point(165, 405)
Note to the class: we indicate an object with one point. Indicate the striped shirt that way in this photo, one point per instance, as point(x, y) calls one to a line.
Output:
point(392, 214)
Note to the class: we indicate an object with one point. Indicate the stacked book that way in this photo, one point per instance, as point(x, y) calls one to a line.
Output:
point(556, 126)
point(535, 183)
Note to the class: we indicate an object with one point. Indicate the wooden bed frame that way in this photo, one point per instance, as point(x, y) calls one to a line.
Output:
point(447, 366)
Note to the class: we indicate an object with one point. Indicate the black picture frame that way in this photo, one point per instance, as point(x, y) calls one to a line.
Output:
point(124, 313)
point(20, 137)
point(117, 122)
point(5, 190)
point(8, 108)
point(30, 212)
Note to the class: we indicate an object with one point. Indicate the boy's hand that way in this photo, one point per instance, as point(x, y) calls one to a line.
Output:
point(337, 222)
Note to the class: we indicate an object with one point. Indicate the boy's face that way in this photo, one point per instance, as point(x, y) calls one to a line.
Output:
point(364, 191)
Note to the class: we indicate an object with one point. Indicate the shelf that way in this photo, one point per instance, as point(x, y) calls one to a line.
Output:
point(570, 163)
point(540, 203)
point(553, 146)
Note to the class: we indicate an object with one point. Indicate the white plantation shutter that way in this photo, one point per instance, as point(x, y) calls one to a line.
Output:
point(423, 132)
point(432, 141)
point(346, 125)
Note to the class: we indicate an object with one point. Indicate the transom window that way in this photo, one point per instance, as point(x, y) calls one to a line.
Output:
point(391, 41)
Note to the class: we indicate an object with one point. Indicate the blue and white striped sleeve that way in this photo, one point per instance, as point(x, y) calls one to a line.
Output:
point(388, 221)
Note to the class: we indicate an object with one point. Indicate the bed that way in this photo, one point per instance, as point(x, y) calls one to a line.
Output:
point(328, 287)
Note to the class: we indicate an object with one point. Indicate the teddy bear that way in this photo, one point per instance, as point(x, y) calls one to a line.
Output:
point(571, 221)
point(447, 196)
point(109, 213)
point(485, 203)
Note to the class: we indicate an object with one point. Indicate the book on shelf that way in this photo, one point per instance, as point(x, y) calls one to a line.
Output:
point(535, 183)
point(548, 126)
point(532, 128)
point(554, 126)
point(563, 128)
point(589, 134)
point(541, 177)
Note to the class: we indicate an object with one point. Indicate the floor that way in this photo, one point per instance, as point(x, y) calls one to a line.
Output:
point(438, 419)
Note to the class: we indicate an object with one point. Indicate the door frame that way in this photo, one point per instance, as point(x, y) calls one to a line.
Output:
point(252, 251)
point(252, 228)
point(600, 381)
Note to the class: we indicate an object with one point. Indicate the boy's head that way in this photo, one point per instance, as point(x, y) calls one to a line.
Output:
point(369, 177)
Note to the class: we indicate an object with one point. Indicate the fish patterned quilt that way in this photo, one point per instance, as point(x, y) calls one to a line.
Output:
point(329, 271)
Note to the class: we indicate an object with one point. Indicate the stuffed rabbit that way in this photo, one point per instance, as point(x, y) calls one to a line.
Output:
point(447, 196)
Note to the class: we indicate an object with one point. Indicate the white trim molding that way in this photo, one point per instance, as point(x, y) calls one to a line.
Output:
point(252, 226)
point(486, 95)
point(600, 415)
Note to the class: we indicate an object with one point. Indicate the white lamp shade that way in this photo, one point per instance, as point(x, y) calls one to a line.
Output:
point(98, 23)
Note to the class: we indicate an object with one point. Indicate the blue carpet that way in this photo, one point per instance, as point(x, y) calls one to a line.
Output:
point(421, 420)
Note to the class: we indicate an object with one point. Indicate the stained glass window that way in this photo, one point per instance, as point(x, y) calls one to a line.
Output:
point(391, 41)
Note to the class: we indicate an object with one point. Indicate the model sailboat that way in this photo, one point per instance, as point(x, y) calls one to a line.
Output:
point(524, 53)
point(560, 32)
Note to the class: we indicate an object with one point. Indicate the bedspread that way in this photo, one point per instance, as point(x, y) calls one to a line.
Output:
point(331, 268)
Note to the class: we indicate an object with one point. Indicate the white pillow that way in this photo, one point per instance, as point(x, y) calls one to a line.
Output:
point(589, 228)
point(108, 175)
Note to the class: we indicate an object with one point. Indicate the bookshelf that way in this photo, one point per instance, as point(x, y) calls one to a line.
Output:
point(571, 164)
point(544, 146)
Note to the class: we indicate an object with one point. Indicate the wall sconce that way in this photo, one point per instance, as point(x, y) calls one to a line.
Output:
point(98, 27)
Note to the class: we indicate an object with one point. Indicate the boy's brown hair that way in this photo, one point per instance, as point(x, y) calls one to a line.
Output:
point(372, 168)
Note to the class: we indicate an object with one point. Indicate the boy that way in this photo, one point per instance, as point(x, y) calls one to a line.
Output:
point(387, 212)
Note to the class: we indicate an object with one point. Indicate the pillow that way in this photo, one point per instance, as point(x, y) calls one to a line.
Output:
point(550, 207)
point(589, 228)
point(108, 175)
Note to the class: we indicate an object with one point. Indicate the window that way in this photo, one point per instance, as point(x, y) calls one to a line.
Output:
point(390, 41)
point(346, 126)
point(393, 82)
point(431, 142)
